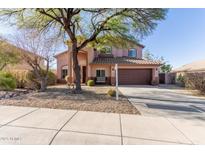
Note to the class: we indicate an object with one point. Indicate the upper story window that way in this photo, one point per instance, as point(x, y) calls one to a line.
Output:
point(132, 53)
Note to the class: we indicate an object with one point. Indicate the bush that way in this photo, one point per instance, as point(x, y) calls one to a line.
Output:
point(24, 79)
point(155, 82)
point(31, 81)
point(7, 81)
point(21, 78)
point(51, 78)
point(27, 79)
point(195, 81)
point(90, 83)
point(6, 74)
point(181, 80)
point(34, 83)
point(111, 92)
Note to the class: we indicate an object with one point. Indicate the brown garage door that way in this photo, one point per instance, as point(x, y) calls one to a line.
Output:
point(135, 76)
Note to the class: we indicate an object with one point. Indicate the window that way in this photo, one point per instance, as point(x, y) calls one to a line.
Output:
point(64, 72)
point(100, 76)
point(132, 53)
point(100, 73)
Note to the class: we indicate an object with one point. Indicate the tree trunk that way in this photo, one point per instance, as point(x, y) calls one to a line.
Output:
point(43, 85)
point(76, 68)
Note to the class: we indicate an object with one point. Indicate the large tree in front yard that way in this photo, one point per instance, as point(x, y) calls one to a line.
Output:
point(85, 26)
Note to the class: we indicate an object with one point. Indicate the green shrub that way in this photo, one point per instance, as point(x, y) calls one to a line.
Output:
point(34, 83)
point(27, 79)
point(7, 81)
point(51, 78)
point(6, 74)
point(31, 81)
point(155, 82)
point(111, 92)
point(21, 78)
point(90, 83)
point(180, 78)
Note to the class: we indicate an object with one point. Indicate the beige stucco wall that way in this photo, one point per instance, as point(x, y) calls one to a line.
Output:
point(91, 56)
point(62, 61)
point(124, 52)
point(139, 52)
point(100, 67)
point(85, 56)
point(155, 73)
point(82, 59)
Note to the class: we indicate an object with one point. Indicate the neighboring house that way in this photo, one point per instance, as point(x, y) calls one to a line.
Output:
point(22, 65)
point(194, 67)
point(197, 66)
point(100, 67)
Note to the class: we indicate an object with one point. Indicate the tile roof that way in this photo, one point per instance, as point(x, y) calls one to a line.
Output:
point(123, 60)
point(191, 67)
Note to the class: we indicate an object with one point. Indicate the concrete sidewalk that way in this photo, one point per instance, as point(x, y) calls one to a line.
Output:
point(23, 125)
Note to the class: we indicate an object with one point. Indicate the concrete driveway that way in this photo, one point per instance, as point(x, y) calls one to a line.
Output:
point(23, 125)
point(166, 101)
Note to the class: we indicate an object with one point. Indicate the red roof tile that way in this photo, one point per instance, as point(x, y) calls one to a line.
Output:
point(123, 60)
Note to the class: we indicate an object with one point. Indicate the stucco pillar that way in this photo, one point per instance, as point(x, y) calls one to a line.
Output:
point(71, 67)
point(112, 75)
point(89, 72)
point(87, 67)
point(155, 75)
point(90, 57)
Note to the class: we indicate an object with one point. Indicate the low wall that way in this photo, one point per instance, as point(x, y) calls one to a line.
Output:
point(167, 78)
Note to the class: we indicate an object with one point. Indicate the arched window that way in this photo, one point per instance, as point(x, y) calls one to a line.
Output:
point(64, 72)
point(132, 53)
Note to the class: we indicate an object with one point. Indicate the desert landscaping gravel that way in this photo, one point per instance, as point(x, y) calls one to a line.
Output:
point(12, 94)
point(60, 97)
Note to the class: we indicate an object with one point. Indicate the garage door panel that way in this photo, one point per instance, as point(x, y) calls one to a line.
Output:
point(135, 76)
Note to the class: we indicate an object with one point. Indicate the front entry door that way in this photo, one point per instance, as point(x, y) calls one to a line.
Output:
point(84, 74)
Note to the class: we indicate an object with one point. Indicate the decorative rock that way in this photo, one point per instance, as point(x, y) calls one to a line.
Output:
point(7, 96)
point(11, 94)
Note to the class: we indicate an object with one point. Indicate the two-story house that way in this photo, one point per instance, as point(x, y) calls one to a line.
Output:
point(132, 69)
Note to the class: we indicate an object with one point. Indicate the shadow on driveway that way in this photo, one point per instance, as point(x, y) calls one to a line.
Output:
point(168, 100)
point(172, 107)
